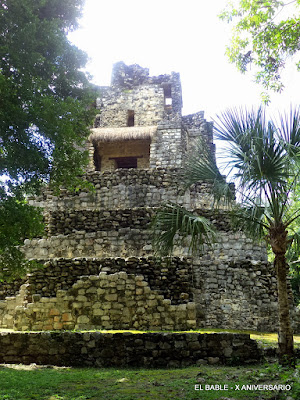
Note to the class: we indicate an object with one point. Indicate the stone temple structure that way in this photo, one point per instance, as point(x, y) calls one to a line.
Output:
point(100, 271)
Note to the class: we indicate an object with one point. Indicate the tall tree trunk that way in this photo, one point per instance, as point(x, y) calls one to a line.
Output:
point(278, 241)
point(285, 334)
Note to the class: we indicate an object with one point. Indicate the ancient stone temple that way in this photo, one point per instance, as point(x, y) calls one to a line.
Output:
point(100, 271)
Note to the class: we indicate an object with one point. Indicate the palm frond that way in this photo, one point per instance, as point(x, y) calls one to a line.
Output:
point(173, 222)
point(257, 157)
point(293, 252)
point(253, 220)
point(290, 132)
point(231, 125)
point(200, 165)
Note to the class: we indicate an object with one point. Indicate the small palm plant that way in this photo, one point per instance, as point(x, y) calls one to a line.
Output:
point(263, 158)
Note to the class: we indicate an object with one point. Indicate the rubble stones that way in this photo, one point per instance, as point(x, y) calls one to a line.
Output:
point(122, 304)
point(228, 302)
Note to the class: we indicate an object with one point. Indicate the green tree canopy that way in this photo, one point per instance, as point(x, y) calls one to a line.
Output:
point(45, 103)
point(265, 35)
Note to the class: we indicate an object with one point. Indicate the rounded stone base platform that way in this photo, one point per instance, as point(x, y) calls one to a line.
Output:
point(127, 349)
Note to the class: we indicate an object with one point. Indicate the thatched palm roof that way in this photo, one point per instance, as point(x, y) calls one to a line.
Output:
point(120, 134)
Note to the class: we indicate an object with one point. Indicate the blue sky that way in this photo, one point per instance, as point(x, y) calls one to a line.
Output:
point(182, 36)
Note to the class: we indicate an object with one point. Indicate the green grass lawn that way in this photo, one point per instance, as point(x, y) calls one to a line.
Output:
point(41, 383)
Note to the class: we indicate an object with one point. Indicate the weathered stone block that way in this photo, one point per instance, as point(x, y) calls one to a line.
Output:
point(81, 298)
point(66, 317)
point(54, 311)
point(83, 319)
point(111, 297)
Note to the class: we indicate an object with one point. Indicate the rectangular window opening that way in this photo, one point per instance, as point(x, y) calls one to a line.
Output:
point(130, 118)
point(167, 96)
point(168, 101)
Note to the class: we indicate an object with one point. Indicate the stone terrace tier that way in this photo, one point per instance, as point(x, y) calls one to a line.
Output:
point(130, 188)
point(127, 233)
point(182, 293)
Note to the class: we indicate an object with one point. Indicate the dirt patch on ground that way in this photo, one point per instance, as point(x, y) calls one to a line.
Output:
point(30, 367)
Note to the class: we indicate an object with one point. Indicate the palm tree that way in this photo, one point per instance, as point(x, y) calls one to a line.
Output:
point(263, 157)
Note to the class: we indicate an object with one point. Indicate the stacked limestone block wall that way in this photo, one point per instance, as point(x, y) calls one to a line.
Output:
point(153, 350)
point(115, 219)
point(136, 100)
point(173, 280)
point(115, 113)
point(197, 127)
point(229, 286)
point(152, 98)
point(86, 293)
point(129, 188)
point(99, 268)
point(115, 301)
point(67, 294)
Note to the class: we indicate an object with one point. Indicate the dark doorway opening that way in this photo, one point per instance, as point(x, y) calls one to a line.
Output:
point(126, 162)
point(97, 159)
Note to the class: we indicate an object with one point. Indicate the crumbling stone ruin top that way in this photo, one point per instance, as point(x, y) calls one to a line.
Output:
point(130, 76)
point(140, 123)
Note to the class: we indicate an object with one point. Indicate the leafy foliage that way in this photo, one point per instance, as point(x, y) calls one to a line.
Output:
point(264, 161)
point(44, 111)
point(45, 107)
point(18, 221)
point(293, 253)
point(264, 157)
point(197, 167)
point(172, 220)
point(263, 36)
